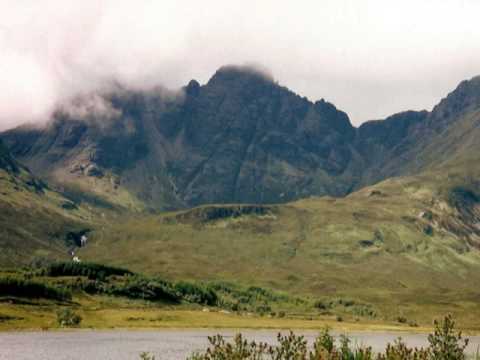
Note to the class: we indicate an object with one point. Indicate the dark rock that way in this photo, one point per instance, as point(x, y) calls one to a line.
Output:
point(366, 243)
point(213, 213)
point(69, 205)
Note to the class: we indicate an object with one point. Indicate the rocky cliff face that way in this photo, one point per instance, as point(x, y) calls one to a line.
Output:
point(7, 163)
point(240, 138)
point(243, 138)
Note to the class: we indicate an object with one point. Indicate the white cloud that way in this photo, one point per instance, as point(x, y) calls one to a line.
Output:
point(369, 57)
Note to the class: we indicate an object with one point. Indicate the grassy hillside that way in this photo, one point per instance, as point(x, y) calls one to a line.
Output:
point(35, 221)
point(400, 247)
point(406, 248)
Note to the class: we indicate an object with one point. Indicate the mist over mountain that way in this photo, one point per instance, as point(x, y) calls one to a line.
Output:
point(240, 138)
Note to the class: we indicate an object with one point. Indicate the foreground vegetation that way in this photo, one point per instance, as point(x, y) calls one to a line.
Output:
point(90, 295)
point(444, 344)
point(62, 294)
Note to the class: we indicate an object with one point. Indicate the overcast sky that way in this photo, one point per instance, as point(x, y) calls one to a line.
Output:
point(371, 58)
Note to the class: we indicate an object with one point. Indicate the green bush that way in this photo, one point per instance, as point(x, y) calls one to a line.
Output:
point(68, 318)
point(91, 270)
point(11, 286)
point(196, 293)
point(319, 304)
point(140, 287)
point(252, 299)
point(445, 344)
point(263, 309)
point(146, 356)
point(400, 351)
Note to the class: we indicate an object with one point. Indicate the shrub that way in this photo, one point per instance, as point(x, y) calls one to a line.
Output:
point(67, 318)
point(31, 289)
point(319, 304)
point(146, 356)
point(263, 309)
point(363, 310)
point(345, 350)
point(140, 287)
point(237, 298)
point(9, 318)
point(445, 344)
point(258, 293)
point(325, 340)
point(91, 270)
point(196, 293)
point(400, 351)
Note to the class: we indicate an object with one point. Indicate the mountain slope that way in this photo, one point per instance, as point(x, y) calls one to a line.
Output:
point(34, 221)
point(240, 138)
point(444, 139)
point(398, 248)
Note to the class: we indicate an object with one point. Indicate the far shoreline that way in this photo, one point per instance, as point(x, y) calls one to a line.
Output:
point(337, 330)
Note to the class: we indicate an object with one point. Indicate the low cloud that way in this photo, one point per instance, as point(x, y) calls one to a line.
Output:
point(92, 106)
point(369, 57)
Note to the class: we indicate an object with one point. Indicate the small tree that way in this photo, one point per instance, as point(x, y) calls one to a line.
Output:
point(67, 318)
point(400, 351)
point(325, 340)
point(445, 343)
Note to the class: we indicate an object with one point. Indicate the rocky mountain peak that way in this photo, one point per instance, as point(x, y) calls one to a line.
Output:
point(464, 98)
point(238, 77)
point(193, 88)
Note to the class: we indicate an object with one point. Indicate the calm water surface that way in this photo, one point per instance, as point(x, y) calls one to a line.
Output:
point(164, 344)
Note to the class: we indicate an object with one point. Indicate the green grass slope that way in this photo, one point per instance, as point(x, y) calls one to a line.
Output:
point(34, 220)
point(402, 246)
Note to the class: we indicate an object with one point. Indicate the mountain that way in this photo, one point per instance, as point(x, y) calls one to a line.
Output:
point(409, 245)
point(240, 138)
point(444, 136)
point(387, 214)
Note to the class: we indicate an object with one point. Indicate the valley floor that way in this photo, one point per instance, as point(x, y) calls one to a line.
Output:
point(107, 313)
point(141, 319)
